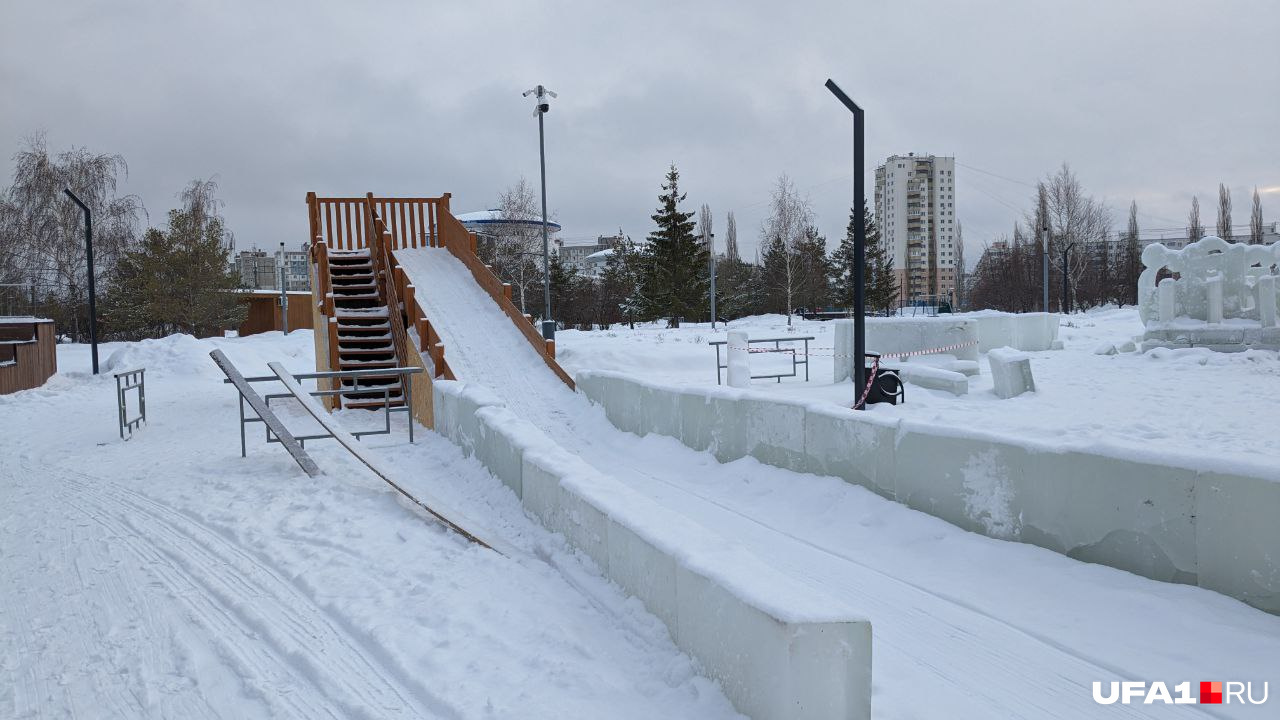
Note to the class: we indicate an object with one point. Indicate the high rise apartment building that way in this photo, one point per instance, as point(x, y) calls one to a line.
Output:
point(916, 213)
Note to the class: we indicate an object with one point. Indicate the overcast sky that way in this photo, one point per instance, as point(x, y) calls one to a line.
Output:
point(1154, 101)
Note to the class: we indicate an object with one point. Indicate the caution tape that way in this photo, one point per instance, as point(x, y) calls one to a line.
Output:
point(875, 367)
point(909, 353)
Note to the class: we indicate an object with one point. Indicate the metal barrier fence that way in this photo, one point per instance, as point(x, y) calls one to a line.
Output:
point(125, 381)
point(777, 348)
point(355, 375)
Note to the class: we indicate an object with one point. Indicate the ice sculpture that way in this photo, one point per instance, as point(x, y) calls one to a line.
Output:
point(1215, 294)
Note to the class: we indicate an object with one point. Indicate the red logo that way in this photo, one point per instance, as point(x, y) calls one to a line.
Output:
point(1210, 693)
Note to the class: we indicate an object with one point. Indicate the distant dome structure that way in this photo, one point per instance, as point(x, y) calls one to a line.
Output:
point(488, 222)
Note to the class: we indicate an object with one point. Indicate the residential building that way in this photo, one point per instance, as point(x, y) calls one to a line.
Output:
point(577, 255)
point(916, 213)
point(260, 270)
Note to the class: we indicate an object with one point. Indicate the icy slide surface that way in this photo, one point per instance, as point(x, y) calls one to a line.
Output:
point(964, 626)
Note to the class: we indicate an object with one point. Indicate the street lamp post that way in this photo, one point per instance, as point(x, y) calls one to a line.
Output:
point(93, 294)
point(859, 244)
point(541, 106)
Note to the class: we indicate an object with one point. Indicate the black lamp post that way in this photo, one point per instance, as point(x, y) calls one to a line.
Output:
point(542, 105)
point(93, 295)
point(859, 243)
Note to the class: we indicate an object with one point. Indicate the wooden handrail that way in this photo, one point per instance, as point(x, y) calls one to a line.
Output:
point(462, 245)
point(412, 222)
point(384, 278)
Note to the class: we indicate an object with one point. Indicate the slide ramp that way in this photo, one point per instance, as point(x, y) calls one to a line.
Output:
point(982, 637)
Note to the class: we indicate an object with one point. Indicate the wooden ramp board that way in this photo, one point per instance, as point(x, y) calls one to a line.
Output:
point(349, 442)
point(259, 406)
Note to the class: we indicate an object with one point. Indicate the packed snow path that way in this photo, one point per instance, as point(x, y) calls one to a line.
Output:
point(166, 577)
point(964, 626)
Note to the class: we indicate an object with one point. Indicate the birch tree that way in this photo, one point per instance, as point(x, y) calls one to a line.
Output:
point(782, 232)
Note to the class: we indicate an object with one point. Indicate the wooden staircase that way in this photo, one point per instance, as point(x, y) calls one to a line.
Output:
point(364, 334)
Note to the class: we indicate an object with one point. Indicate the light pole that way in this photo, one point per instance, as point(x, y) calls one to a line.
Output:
point(542, 105)
point(859, 243)
point(93, 294)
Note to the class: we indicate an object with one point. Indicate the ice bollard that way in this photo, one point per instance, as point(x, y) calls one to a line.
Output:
point(1267, 300)
point(843, 350)
point(1213, 294)
point(739, 369)
point(1168, 304)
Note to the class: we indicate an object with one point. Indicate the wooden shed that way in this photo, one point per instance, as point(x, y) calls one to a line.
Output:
point(264, 311)
point(28, 356)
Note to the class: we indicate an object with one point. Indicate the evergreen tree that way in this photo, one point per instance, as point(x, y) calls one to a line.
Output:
point(880, 281)
point(675, 280)
point(813, 270)
point(739, 289)
point(620, 282)
point(566, 304)
point(179, 280)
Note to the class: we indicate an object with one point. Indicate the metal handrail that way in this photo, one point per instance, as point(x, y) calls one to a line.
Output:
point(777, 347)
point(406, 387)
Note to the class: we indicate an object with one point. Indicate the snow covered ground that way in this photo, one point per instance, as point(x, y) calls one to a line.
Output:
point(166, 577)
point(1194, 404)
point(964, 626)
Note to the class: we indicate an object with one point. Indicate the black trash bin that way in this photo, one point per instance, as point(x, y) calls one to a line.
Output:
point(886, 387)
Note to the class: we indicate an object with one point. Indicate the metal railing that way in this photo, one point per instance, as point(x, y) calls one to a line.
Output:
point(406, 388)
point(125, 381)
point(777, 348)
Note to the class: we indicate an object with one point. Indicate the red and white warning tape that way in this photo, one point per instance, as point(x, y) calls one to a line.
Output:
point(871, 378)
point(909, 353)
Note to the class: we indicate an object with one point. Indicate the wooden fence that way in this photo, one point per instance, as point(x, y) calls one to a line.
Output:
point(28, 354)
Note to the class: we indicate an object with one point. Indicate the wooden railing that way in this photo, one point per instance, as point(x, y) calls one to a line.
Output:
point(382, 257)
point(401, 223)
point(340, 222)
point(462, 244)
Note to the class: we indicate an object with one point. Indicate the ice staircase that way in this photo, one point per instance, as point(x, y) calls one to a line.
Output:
point(363, 330)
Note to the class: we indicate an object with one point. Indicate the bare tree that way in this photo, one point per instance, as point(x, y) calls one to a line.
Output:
point(1224, 212)
point(960, 270)
point(1195, 230)
point(731, 238)
point(517, 241)
point(1078, 223)
point(1255, 220)
point(42, 231)
point(789, 217)
point(201, 202)
point(704, 228)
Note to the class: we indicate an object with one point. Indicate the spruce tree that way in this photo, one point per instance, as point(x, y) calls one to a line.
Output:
point(676, 275)
point(880, 281)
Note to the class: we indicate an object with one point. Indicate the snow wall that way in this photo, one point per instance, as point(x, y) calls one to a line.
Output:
point(780, 651)
point(1185, 520)
point(1031, 332)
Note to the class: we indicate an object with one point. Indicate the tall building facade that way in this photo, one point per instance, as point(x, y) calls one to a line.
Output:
point(916, 213)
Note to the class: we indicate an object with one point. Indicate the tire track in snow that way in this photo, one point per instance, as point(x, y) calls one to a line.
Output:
point(288, 641)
